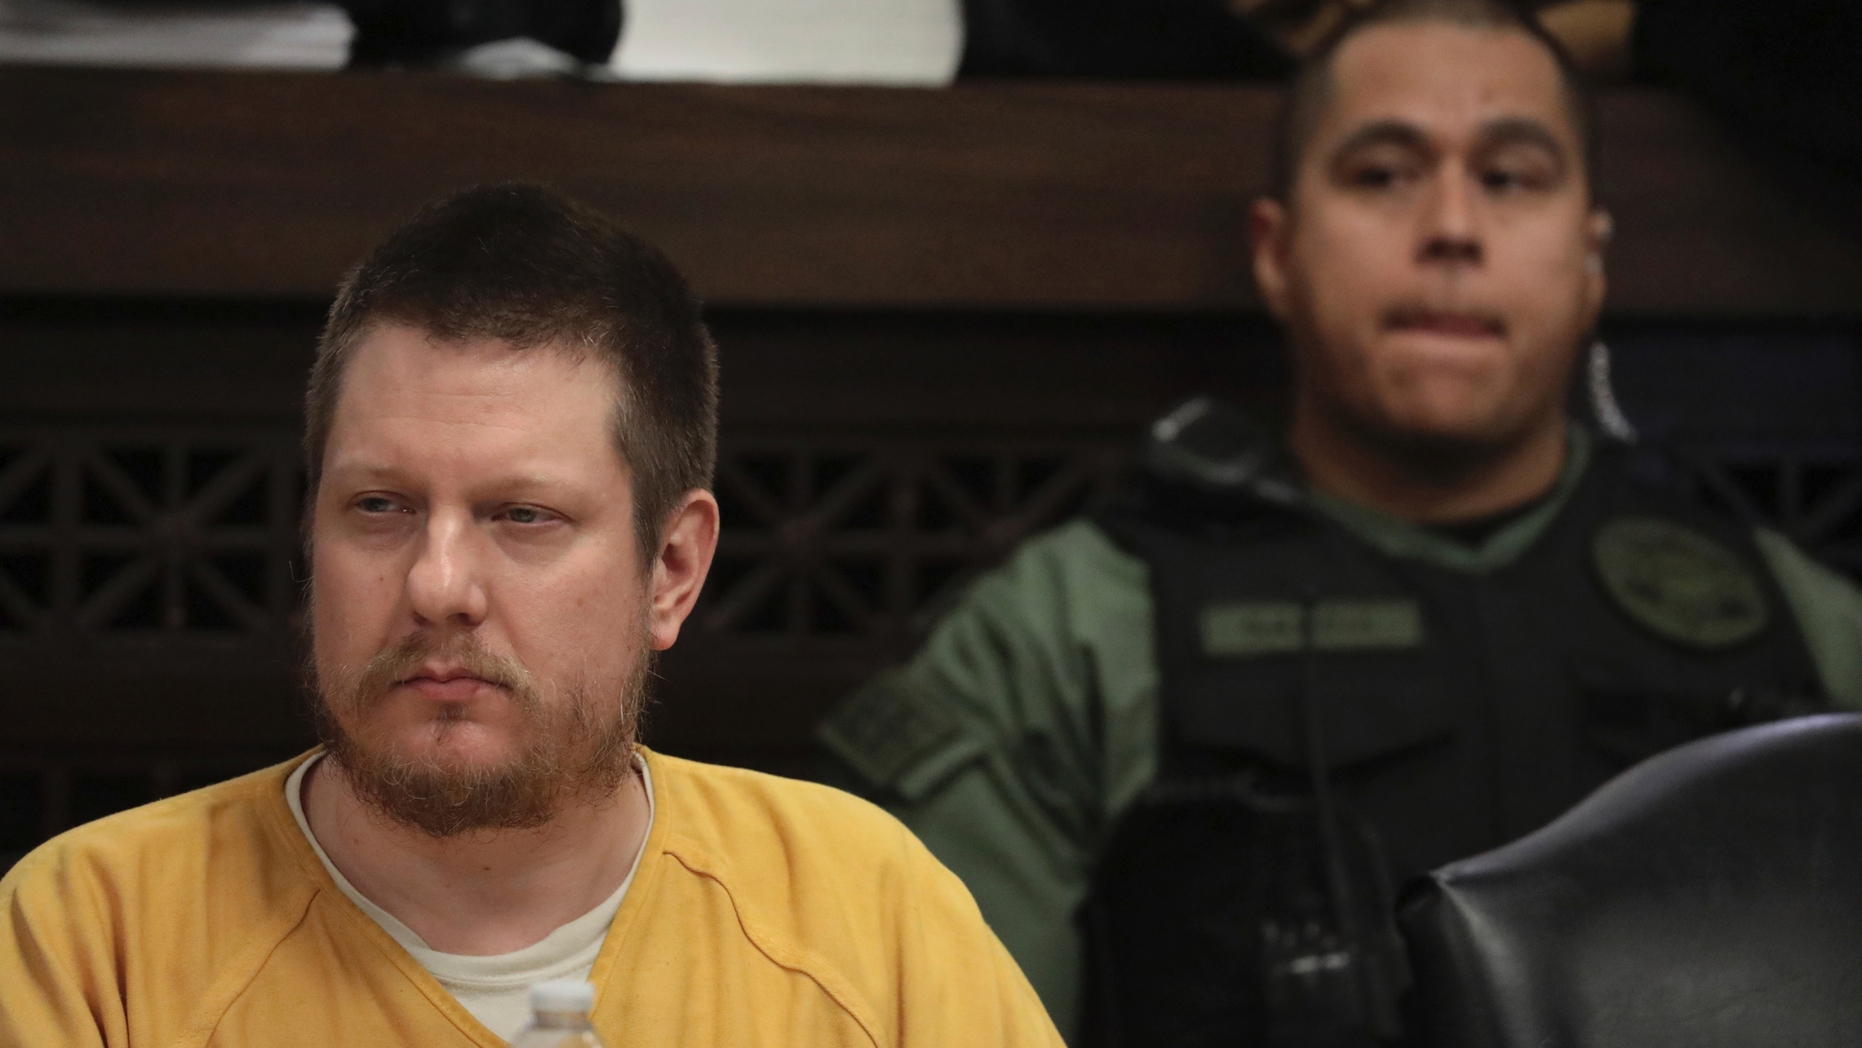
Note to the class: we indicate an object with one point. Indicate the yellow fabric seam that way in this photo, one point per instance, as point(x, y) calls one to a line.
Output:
point(797, 958)
point(238, 976)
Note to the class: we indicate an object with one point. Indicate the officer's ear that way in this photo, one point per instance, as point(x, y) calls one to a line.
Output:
point(1268, 229)
point(1598, 228)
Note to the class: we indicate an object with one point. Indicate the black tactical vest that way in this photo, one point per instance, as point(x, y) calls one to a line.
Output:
point(1446, 710)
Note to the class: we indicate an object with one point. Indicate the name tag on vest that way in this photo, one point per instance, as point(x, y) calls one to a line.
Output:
point(1245, 629)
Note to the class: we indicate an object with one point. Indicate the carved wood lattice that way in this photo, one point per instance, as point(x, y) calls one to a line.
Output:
point(185, 541)
point(837, 539)
point(143, 533)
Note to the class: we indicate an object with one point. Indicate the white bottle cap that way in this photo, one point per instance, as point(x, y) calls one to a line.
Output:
point(562, 995)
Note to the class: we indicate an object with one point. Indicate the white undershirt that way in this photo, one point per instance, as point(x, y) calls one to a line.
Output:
point(899, 42)
point(495, 988)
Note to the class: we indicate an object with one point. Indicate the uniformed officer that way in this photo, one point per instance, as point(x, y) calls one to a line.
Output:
point(1180, 752)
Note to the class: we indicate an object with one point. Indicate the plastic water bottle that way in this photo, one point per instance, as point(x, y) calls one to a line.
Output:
point(560, 1016)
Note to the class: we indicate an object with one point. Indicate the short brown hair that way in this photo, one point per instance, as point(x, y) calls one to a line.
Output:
point(523, 264)
point(1311, 87)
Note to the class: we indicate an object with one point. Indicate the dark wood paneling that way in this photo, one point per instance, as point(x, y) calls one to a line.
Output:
point(1019, 196)
point(1707, 227)
point(272, 185)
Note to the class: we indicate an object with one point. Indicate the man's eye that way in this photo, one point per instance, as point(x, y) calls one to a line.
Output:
point(1373, 177)
point(375, 504)
point(1503, 181)
point(524, 515)
point(1516, 174)
point(1380, 171)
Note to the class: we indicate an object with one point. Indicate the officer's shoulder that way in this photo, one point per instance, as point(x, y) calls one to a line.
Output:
point(1206, 470)
point(1078, 549)
point(1202, 463)
point(1813, 587)
point(1073, 560)
point(1667, 473)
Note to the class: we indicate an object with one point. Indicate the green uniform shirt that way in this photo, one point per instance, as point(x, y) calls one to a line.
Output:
point(1028, 722)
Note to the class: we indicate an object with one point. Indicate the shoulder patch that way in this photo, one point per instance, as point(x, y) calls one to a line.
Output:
point(1679, 583)
point(886, 730)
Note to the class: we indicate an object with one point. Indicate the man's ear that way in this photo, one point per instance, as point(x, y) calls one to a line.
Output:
point(1268, 230)
point(685, 551)
point(1598, 228)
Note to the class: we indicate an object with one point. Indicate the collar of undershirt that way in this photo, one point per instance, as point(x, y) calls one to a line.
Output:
point(1440, 546)
point(568, 948)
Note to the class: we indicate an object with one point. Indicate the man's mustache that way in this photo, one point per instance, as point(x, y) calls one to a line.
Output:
point(403, 660)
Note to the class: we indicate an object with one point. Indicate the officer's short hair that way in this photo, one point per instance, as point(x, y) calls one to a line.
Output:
point(1311, 88)
point(523, 264)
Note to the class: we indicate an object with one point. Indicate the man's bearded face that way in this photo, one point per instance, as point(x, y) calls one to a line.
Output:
point(578, 749)
point(480, 610)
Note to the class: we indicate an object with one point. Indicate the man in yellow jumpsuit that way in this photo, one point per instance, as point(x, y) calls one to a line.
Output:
point(510, 426)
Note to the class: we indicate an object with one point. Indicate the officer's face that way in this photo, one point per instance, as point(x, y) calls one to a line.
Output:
point(1437, 263)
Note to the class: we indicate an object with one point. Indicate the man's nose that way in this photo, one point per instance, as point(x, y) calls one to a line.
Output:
point(1451, 233)
point(446, 585)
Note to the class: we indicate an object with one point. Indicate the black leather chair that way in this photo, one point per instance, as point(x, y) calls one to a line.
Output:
point(1710, 896)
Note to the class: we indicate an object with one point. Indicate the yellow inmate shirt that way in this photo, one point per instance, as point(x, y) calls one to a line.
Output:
point(764, 912)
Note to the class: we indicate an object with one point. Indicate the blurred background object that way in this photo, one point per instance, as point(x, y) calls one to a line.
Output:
point(724, 41)
point(1595, 32)
point(818, 41)
point(131, 33)
point(415, 32)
